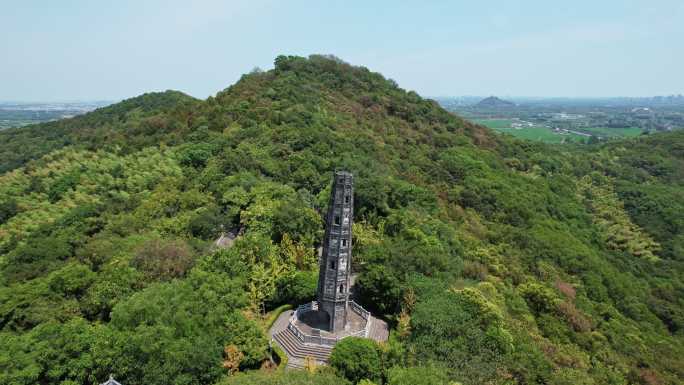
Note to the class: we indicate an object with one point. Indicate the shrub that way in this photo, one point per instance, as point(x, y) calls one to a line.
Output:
point(578, 321)
point(380, 289)
point(539, 298)
point(296, 288)
point(357, 358)
point(206, 223)
point(475, 270)
point(164, 259)
point(567, 289)
point(420, 375)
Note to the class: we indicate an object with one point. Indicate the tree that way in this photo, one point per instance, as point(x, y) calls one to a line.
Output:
point(540, 298)
point(432, 191)
point(299, 254)
point(72, 280)
point(288, 377)
point(379, 288)
point(357, 358)
point(52, 352)
point(180, 329)
point(299, 287)
point(207, 223)
point(8, 209)
point(161, 259)
point(420, 375)
point(461, 330)
point(300, 222)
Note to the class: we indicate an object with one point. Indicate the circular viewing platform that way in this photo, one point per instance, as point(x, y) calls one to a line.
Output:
point(311, 324)
point(303, 333)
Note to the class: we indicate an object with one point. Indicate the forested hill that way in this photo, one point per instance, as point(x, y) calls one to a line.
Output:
point(494, 260)
point(137, 122)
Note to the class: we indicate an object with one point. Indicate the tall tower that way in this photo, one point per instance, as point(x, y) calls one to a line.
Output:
point(335, 265)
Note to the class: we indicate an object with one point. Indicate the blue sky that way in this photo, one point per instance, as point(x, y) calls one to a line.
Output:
point(88, 49)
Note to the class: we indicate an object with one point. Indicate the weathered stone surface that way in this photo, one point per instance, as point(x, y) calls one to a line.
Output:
point(335, 263)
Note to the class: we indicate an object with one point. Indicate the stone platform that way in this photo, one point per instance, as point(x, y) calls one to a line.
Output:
point(301, 332)
point(316, 321)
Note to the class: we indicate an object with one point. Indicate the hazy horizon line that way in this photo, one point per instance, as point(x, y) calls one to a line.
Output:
point(537, 97)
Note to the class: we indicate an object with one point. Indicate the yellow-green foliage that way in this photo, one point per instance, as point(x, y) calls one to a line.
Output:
point(31, 186)
point(619, 232)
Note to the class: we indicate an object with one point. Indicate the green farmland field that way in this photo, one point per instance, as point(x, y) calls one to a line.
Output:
point(543, 134)
point(495, 123)
point(538, 133)
point(615, 132)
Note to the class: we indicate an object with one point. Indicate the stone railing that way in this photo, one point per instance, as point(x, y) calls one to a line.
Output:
point(321, 340)
point(305, 308)
point(365, 314)
point(309, 339)
point(361, 333)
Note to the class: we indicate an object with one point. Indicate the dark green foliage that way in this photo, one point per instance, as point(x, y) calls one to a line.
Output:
point(8, 209)
point(24, 306)
point(357, 358)
point(207, 223)
point(379, 289)
point(288, 377)
point(419, 375)
point(110, 287)
point(71, 281)
point(62, 185)
point(51, 353)
point(37, 257)
point(299, 287)
point(292, 217)
point(195, 155)
point(183, 326)
point(462, 331)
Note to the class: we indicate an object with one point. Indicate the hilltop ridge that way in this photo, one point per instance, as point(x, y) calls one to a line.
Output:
point(140, 121)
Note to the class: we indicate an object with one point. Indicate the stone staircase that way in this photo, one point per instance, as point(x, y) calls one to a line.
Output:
point(295, 348)
point(378, 329)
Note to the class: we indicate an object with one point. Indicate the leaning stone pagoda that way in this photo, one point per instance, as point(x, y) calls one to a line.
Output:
point(313, 329)
point(335, 263)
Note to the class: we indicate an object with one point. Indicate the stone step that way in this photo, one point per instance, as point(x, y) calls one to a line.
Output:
point(295, 348)
point(295, 354)
point(287, 334)
point(378, 329)
point(292, 364)
point(300, 364)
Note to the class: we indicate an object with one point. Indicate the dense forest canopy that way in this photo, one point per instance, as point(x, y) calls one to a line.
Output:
point(494, 260)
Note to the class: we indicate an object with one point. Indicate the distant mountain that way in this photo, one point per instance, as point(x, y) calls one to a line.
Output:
point(494, 102)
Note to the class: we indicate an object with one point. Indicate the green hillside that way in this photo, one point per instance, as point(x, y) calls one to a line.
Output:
point(134, 123)
point(494, 260)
